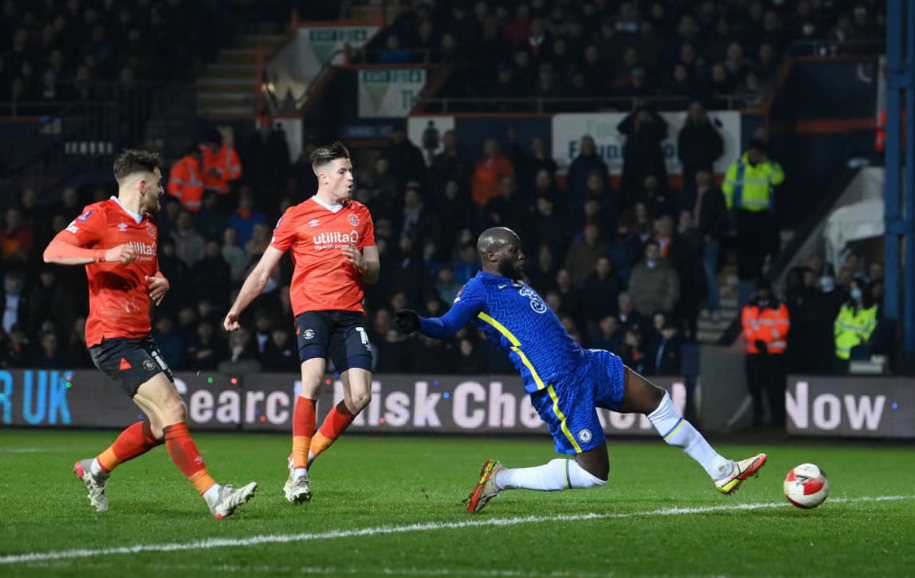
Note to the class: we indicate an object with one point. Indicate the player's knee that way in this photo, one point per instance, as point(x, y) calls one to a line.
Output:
point(174, 411)
point(360, 399)
point(583, 479)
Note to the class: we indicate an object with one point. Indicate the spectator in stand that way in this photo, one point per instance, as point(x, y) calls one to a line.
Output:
point(489, 172)
point(709, 215)
point(419, 219)
point(446, 287)
point(17, 240)
point(280, 353)
point(584, 254)
point(77, 350)
point(211, 220)
point(189, 244)
point(854, 326)
point(657, 200)
point(691, 272)
point(185, 181)
point(655, 281)
point(206, 350)
point(15, 299)
point(665, 358)
point(542, 273)
point(600, 293)
point(509, 209)
point(211, 275)
point(549, 227)
point(645, 130)
point(178, 274)
point(265, 156)
point(234, 255)
point(800, 294)
point(246, 217)
point(50, 299)
point(528, 166)
point(607, 335)
point(451, 165)
point(699, 143)
point(632, 351)
point(765, 328)
point(583, 165)
point(405, 158)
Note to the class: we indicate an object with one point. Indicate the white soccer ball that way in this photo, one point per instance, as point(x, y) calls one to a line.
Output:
point(806, 486)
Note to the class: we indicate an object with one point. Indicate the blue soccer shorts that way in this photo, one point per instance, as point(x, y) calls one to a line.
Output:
point(569, 407)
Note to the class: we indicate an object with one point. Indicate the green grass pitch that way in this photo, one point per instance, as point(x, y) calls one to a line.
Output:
point(392, 506)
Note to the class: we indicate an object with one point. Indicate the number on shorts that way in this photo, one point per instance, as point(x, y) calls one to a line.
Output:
point(363, 335)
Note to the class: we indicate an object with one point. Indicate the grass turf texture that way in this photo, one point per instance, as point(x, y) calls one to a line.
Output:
point(368, 483)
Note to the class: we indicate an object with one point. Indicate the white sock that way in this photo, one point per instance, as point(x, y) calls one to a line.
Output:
point(678, 432)
point(96, 469)
point(212, 494)
point(299, 472)
point(555, 475)
point(311, 458)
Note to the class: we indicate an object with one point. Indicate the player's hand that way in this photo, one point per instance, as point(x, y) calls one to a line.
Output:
point(761, 346)
point(125, 254)
point(231, 321)
point(158, 287)
point(354, 257)
point(406, 321)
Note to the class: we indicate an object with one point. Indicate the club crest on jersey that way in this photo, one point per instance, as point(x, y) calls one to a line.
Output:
point(313, 222)
point(309, 334)
point(537, 304)
point(149, 365)
point(353, 220)
point(585, 435)
point(122, 227)
point(85, 216)
point(151, 230)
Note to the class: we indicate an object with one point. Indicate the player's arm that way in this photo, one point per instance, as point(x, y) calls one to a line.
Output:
point(368, 263)
point(65, 249)
point(447, 325)
point(253, 286)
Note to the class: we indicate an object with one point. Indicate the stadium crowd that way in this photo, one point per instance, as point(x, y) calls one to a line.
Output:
point(626, 266)
point(722, 53)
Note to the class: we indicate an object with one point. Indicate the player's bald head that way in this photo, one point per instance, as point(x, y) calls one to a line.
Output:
point(494, 239)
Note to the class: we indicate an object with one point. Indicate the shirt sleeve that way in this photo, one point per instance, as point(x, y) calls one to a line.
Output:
point(469, 304)
point(283, 233)
point(89, 227)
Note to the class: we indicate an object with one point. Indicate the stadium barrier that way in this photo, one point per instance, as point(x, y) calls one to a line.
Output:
point(851, 407)
point(264, 402)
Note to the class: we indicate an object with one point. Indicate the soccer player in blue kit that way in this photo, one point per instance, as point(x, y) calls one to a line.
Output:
point(565, 381)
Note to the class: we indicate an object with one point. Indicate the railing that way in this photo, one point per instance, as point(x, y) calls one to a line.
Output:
point(535, 104)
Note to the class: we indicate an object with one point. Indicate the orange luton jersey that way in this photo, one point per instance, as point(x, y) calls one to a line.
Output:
point(323, 280)
point(118, 294)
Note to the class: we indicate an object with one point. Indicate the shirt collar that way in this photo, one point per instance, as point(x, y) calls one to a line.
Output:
point(136, 217)
point(331, 208)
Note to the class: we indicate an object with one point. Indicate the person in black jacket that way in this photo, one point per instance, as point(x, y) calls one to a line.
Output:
point(665, 357)
point(645, 130)
point(710, 217)
point(699, 143)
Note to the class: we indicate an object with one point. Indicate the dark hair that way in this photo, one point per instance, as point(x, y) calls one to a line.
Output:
point(325, 154)
point(132, 161)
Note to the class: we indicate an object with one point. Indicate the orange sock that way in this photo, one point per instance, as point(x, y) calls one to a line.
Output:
point(334, 424)
point(303, 428)
point(186, 456)
point(133, 441)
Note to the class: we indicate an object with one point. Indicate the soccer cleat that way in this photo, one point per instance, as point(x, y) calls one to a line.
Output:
point(742, 470)
point(231, 498)
point(298, 490)
point(486, 487)
point(95, 484)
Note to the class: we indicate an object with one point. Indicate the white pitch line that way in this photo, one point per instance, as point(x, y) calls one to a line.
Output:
point(340, 571)
point(387, 530)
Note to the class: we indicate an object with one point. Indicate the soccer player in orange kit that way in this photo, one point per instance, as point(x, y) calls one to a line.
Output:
point(332, 239)
point(116, 241)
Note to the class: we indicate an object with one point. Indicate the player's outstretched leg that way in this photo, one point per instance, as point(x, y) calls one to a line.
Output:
point(357, 392)
point(642, 396)
point(160, 401)
point(588, 470)
point(93, 472)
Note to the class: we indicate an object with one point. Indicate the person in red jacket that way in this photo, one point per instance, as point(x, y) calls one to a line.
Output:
point(488, 175)
point(765, 329)
point(221, 167)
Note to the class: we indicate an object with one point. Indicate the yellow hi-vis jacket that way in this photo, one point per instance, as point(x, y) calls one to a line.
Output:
point(853, 328)
point(750, 188)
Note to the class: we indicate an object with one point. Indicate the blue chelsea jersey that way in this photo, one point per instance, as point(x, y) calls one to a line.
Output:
point(519, 322)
